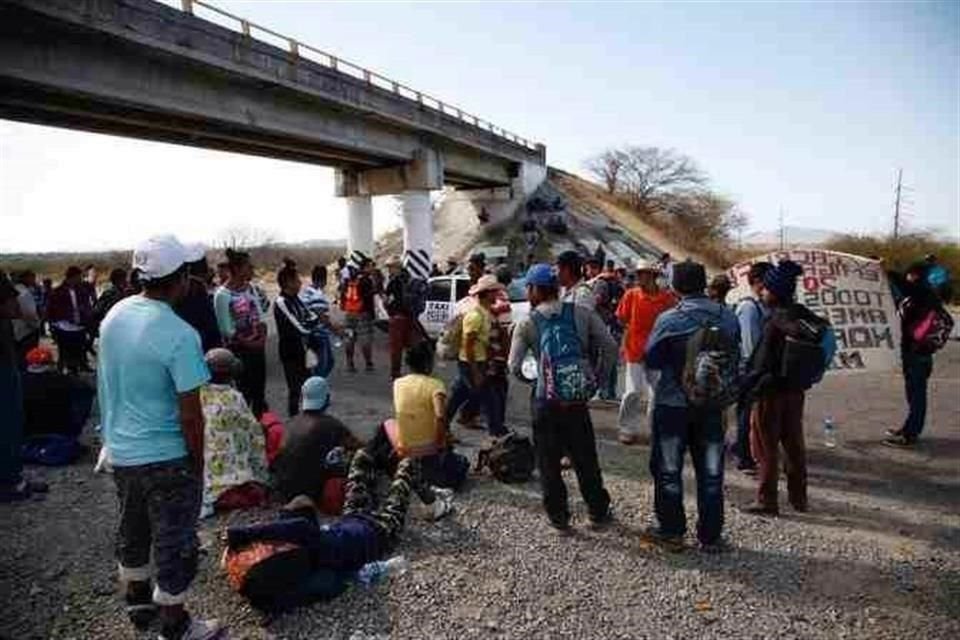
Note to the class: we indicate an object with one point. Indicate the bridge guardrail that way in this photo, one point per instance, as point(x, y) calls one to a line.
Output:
point(296, 49)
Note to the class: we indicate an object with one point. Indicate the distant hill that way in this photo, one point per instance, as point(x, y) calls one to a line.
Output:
point(793, 237)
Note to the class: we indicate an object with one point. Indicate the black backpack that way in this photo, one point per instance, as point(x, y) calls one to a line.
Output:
point(807, 351)
point(510, 458)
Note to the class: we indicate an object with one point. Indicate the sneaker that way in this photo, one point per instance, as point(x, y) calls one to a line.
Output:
point(894, 432)
point(443, 503)
point(747, 468)
point(759, 509)
point(627, 439)
point(901, 441)
point(800, 507)
point(199, 630)
point(668, 542)
point(566, 462)
point(141, 609)
point(369, 368)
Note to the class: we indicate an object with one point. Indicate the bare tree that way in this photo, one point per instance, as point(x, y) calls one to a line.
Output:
point(607, 167)
point(651, 172)
point(244, 237)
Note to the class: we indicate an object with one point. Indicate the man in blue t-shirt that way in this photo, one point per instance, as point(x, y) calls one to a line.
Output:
point(150, 371)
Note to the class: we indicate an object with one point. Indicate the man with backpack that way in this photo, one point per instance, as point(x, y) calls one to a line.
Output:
point(606, 294)
point(751, 314)
point(791, 357)
point(563, 338)
point(695, 349)
point(925, 327)
point(356, 300)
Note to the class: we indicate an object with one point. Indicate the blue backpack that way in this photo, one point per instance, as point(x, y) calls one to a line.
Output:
point(565, 375)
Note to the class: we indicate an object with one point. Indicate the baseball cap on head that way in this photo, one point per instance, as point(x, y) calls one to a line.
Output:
point(315, 394)
point(158, 257)
point(194, 252)
point(541, 275)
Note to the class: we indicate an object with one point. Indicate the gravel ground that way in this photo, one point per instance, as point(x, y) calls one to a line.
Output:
point(878, 555)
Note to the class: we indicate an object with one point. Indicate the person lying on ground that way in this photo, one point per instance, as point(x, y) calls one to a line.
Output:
point(310, 560)
point(235, 470)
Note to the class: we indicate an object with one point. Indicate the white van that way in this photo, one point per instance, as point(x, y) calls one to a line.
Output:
point(443, 293)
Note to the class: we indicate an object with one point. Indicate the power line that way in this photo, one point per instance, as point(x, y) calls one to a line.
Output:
point(896, 206)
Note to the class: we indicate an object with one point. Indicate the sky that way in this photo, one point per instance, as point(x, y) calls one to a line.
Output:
point(806, 107)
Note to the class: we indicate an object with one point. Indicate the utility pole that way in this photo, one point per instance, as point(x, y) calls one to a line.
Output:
point(783, 234)
point(896, 206)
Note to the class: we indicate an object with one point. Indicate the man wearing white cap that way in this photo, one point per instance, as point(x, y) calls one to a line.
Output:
point(150, 371)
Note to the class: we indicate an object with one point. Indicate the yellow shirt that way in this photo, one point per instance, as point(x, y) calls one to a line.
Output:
point(413, 396)
point(477, 321)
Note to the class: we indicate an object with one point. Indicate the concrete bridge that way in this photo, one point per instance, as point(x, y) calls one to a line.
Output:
point(147, 70)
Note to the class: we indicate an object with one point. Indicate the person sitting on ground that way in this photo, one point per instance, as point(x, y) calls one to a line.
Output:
point(235, 470)
point(678, 424)
point(53, 403)
point(419, 427)
point(314, 446)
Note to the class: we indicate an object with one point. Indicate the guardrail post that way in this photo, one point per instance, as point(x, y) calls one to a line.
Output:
point(333, 63)
point(245, 27)
point(396, 87)
point(187, 6)
point(366, 76)
point(294, 48)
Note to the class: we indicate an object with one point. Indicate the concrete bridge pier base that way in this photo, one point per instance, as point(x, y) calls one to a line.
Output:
point(417, 232)
point(360, 228)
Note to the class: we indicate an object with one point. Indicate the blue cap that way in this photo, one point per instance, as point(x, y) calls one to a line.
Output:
point(315, 394)
point(541, 275)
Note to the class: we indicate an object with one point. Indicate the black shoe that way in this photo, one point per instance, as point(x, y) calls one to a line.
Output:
point(140, 606)
point(603, 521)
point(749, 468)
point(759, 509)
point(900, 441)
point(713, 548)
point(668, 542)
point(562, 526)
point(800, 507)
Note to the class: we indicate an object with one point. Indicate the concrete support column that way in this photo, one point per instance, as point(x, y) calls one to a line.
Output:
point(360, 226)
point(417, 232)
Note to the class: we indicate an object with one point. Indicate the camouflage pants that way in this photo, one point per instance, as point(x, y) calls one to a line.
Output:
point(159, 506)
point(361, 485)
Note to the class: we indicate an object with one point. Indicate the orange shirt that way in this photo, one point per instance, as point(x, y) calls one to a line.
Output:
point(638, 311)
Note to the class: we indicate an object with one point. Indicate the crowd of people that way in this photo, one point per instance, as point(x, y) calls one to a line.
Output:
point(181, 372)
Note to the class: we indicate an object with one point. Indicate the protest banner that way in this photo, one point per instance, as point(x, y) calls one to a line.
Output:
point(853, 293)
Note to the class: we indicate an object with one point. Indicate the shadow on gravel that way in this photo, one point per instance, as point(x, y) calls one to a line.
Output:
point(844, 515)
point(870, 471)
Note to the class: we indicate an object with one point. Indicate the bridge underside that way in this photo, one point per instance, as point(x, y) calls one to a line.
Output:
point(144, 70)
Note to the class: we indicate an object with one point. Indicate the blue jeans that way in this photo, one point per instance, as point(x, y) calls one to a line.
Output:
point(485, 398)
point(917, 369)
point(11, 425)
point(674, 430)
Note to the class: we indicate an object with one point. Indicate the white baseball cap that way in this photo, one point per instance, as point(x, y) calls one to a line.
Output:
point(158, 257)
point(194, 252)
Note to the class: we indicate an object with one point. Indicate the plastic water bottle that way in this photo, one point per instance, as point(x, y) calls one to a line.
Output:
point(829, 433)
point(374, 572)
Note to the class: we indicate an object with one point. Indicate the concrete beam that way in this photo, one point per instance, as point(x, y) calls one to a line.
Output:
point(143, 69)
